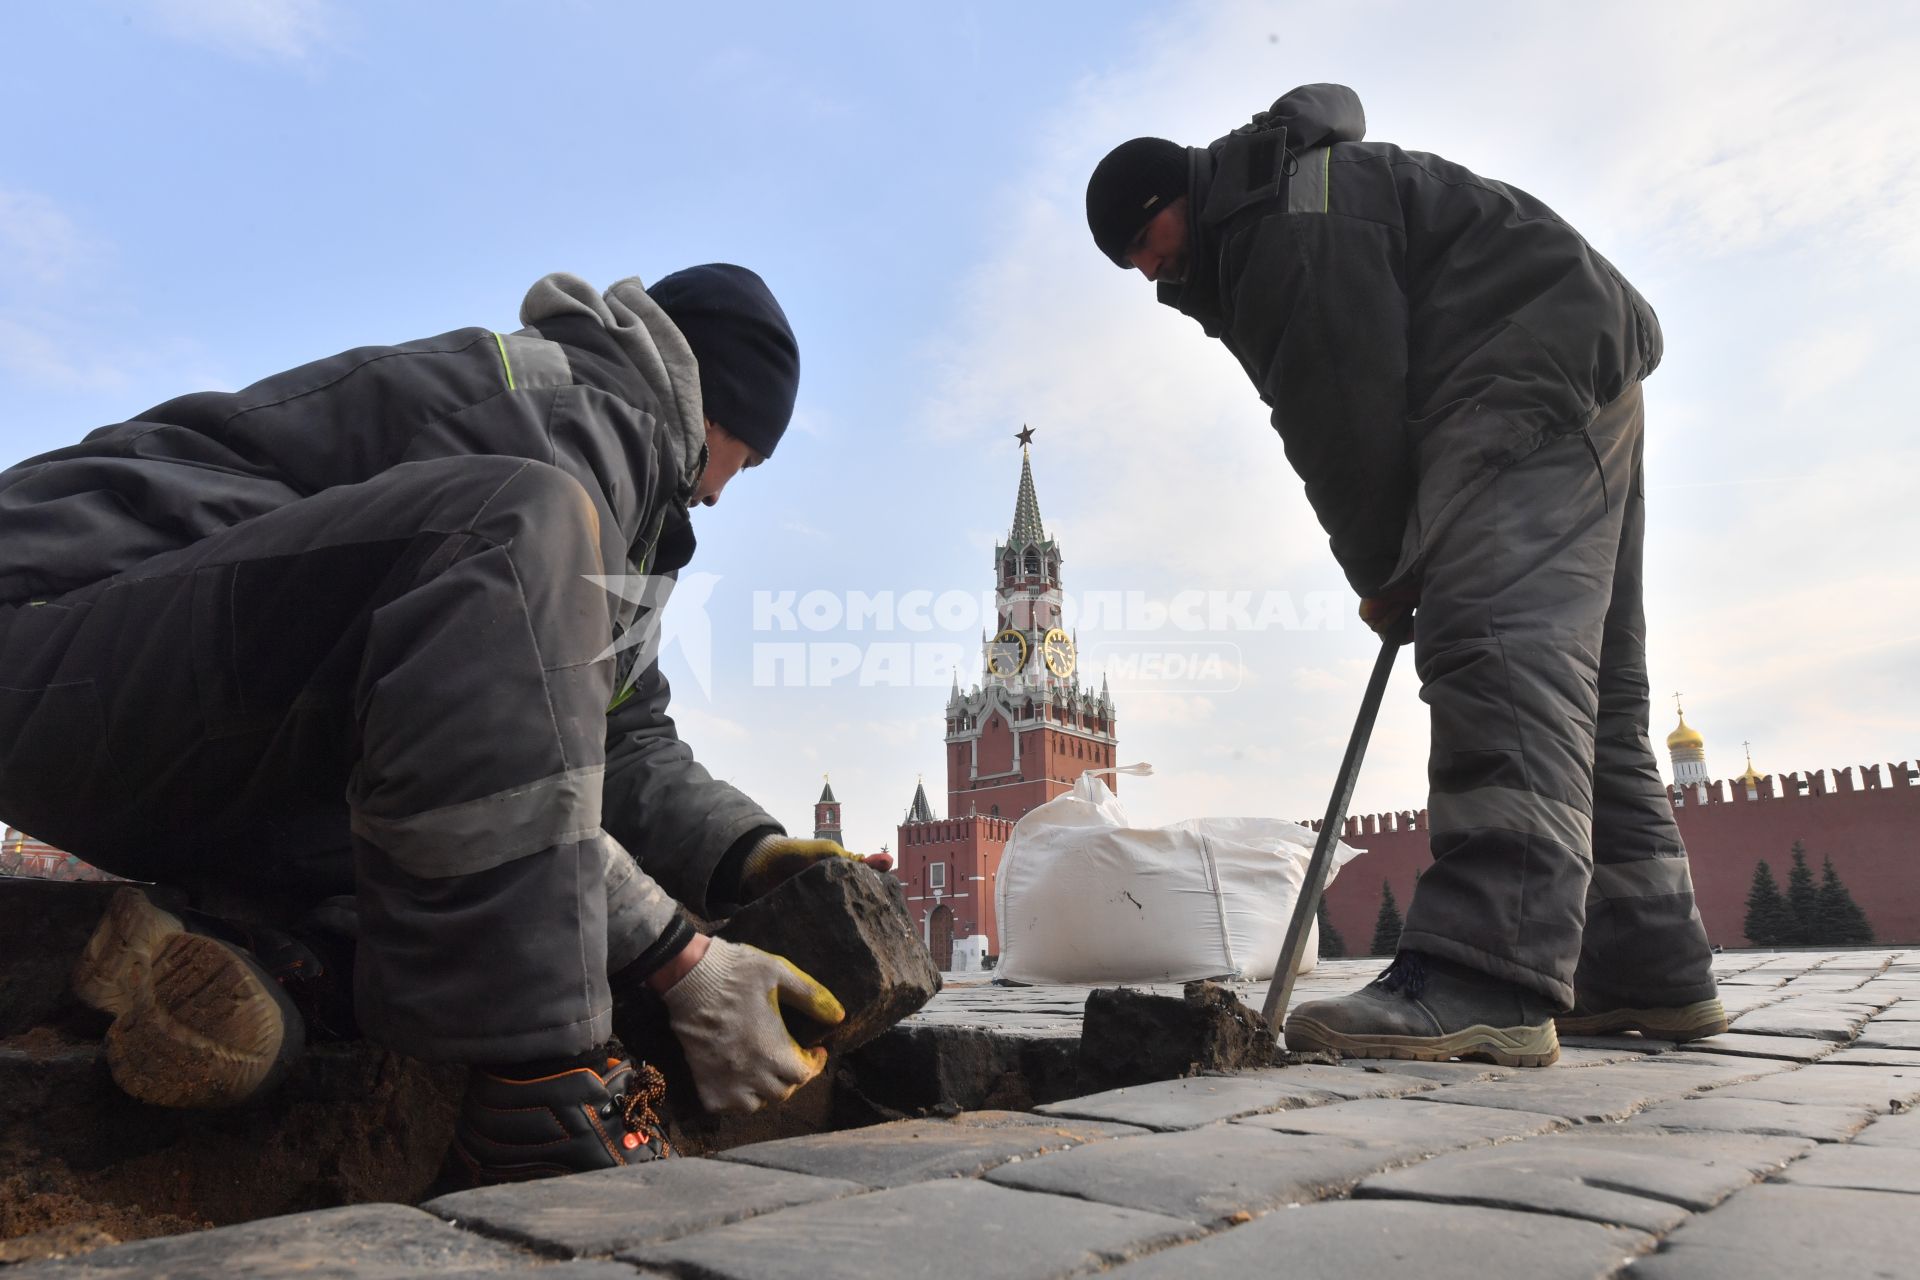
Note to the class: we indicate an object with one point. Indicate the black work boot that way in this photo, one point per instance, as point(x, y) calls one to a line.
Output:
point(514, 1127)
point(1430, 1010)
point(1597, 1015)
point(198, 1022)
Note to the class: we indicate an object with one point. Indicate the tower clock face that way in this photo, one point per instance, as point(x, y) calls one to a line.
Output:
point(1057, 649)
point(1007, 654)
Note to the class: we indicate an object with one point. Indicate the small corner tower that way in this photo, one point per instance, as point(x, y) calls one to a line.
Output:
point(826, 815)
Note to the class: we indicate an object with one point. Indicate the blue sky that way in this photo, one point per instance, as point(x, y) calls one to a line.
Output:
point(199, 192)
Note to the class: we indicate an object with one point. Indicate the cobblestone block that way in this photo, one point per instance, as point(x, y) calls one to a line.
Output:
point(930, 1231)
point(1377, 1240)
point(1581, 1097)
point(1209, 1174)
point(1427, 1125)
point(376, 1240)
point(1713, 1114)
point(1902, 1130)
point(1440, 1072)
point(1887, 1034)
point(1801, 1018)
point(596, 1214)
point(1855, 1167)
point(1879, 1089)
point(1858, 1057)
point(1198, 1100)
point(1789, 1048)
point(1131, 1037)
point(1190, 1103)
point(848, 926)
point(893, 1155)
point(1649, 1182)
point(1792, 1233)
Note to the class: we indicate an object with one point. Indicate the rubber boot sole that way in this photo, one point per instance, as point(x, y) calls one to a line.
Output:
point(1503, 1046)
point(1679, 1023)
point(196, 1022)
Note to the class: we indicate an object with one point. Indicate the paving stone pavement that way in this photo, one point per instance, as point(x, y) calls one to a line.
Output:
point(1790, 1146)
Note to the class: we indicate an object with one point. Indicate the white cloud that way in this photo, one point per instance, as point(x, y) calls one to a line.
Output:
point(281, 30)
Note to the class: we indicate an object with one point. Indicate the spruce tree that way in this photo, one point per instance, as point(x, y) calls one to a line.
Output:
point(1768, 922)
point(1332, 945)
point(1387, 925)
point(1802, 899)
point(1839, 921)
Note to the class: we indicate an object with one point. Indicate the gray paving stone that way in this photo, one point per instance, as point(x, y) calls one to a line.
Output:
point(364, 1242)
point(893, 1155)
point(1901, 1130)
point(1782, 1232)
point(1592, 1095)
point(1800, 1018)
point(929, 1231)
point(1376, 1240)
point(1857, 1056)
point(1879, 1089)
point(1646, 1181)
point(1860, 1168)
point(1908, 1010)
point(1209, 1174)
point(596, 1214)
point(1791, 1048)
point(1884, 1034)
point(1577, 1053)
point(1443, 1072)
point(1198, 1100)
point(1748, 1068)
point(1624, 1043)
point(1714, 1114)
point(1428, 1125)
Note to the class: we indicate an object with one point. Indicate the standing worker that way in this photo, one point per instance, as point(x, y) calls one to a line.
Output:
point(340, 633)
point(1455, 374)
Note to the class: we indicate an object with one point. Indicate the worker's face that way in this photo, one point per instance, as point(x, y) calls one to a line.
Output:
point(1159, 251)
point(727, 457)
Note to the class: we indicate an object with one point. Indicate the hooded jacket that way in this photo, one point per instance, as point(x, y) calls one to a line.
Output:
point(1414, 328)
point(603, 387)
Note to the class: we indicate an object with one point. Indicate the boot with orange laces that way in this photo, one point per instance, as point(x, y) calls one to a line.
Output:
point(544, 1119)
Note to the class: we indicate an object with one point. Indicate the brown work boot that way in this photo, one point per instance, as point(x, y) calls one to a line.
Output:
point(197, 1022)
point(1593, 1015)
point(1430, 1010)
point(518, 1125)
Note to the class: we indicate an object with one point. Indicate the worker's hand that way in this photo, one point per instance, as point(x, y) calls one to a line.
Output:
point(726, 1014)
point(777, 858)
point(1391, 612)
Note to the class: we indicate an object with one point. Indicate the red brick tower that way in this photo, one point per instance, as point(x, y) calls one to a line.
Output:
point(826, 815)
point(1019, 738)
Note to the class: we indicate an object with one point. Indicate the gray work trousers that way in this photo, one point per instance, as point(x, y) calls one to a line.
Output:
point(1557, 864)
point(389, 689)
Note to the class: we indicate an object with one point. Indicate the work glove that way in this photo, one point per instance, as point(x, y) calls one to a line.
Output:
point(1391, 612)
point(778, 858)
point(726, 1014)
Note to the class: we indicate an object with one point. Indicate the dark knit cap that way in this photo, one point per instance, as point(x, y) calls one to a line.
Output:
point(1136, 180)
point(749, 362)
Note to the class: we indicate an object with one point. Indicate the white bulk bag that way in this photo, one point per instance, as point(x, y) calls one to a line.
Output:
point(1085, 897)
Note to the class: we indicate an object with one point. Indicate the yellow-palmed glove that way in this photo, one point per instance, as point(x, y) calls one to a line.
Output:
point(726, 1014)
point(779, 858)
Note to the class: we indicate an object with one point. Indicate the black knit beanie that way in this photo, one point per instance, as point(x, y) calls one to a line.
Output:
point(749, 362)
point(1136, 180)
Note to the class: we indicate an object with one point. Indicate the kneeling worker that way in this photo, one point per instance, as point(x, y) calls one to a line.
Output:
point(342, 633)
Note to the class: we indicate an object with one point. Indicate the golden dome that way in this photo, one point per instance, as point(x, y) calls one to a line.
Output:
point(1685, 736)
